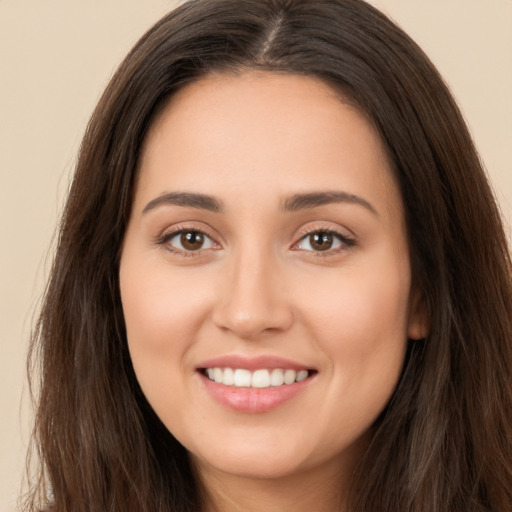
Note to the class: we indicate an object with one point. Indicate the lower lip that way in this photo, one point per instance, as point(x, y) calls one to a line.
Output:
point(254, 400)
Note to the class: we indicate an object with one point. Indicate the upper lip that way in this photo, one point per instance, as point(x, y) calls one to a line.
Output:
point(253, 363)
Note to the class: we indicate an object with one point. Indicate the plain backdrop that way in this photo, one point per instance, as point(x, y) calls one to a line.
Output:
point(55, 59)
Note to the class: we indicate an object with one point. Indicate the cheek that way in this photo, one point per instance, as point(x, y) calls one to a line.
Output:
point(365, 306)
point(163, 313)
point(359, 320)
point(160, 305)
point(361, 328)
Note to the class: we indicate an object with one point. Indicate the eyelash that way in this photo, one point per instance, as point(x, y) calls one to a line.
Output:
point(179, 230)
point(346, 241)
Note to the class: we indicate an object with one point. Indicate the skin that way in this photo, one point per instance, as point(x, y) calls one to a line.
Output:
point(258, 286)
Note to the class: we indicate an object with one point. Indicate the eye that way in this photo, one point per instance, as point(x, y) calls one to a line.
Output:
point(323, 241)
point(187, 241)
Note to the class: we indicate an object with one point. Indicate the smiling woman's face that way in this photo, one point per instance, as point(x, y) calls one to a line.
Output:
point(265, 275)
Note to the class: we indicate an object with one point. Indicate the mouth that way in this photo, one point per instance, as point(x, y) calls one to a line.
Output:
point(260, 378)
point(254, 384)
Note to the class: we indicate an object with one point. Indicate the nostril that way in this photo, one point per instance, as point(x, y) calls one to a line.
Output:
point(251, 322)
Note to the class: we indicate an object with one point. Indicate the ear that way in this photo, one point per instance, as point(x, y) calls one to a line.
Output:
point(418, 326)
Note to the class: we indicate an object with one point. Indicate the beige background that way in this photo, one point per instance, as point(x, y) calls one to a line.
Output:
point(55, 59)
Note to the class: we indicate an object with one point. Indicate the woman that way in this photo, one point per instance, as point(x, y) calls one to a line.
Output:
point(281, 279)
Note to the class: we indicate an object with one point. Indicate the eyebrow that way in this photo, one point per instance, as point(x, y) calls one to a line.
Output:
point(192, 200)
point(292, 204)
point(315, 199)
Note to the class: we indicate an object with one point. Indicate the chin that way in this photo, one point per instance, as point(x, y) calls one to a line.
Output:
point(252, 458)
point(256, 468)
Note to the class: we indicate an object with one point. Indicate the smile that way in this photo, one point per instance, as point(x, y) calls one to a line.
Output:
point(260, 378)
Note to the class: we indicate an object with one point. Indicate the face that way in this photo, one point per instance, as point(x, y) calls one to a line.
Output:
point(265, 275)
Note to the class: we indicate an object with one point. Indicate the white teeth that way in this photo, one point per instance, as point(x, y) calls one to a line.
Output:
point(229, 377)
point(277, 377)
point(303, 374)
point(290, 376)
point(262, 378)
point(242, 378)
point(217, 375)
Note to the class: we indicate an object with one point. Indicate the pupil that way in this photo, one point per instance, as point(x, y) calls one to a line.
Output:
point(192, 240)
point(321, 241)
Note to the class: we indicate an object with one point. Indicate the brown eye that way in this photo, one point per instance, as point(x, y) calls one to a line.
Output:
point(192, 240)
point(188, 241)
point(324, 241)
point(321, 241)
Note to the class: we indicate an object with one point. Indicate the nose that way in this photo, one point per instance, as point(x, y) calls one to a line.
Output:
point(253, 299)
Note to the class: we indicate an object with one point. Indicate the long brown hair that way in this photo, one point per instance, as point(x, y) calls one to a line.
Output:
point(444, 441)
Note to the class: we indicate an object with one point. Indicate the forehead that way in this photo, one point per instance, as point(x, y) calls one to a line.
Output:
point(251, 100)
point(264, 130)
